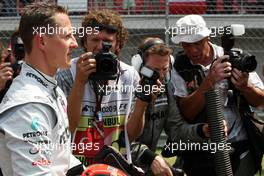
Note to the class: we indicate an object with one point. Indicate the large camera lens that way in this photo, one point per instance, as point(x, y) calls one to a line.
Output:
point(19, 51)
point(249, 63)
point(107, 65)
point(242, 61)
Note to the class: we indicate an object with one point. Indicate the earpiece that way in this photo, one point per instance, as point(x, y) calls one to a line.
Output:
point(148, 45)
point(138, 61)
point(172, 60)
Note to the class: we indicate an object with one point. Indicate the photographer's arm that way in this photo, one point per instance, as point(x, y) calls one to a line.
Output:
point(145, 158)
point(247, 87)
point(84, 67)
point(6, 73)
point(194, 103)
point(75, 105)
point(178, 129)
point(74, 90)
point(136, 120)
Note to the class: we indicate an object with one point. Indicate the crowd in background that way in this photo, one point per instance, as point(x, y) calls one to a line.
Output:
point(15, 7)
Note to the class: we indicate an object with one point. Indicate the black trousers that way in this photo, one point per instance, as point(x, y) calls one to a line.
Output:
point(199, 164)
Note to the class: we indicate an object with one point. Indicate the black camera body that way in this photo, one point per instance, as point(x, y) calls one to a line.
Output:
point(106, 64)
point(244, 62)
point(150, 76)
point(19, 53)
point(149, 79)
point(239, 59)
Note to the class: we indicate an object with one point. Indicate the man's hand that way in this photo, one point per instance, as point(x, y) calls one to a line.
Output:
point(207, 132)
point(157, 90)
point(160, 168)
point(220, 70)
point(6, 73)
point(150, 94)
point(239, 79)
point(85, 66)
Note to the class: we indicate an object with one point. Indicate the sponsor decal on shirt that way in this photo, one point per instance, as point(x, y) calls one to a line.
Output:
point(38, 142)
point(104, 109)
point(34, 134)
point(41, 162)
point(109, 121)
point(159, 114)
point(35, 124)
point(34, 150)
point(42, 150)
point(39, 147)
point(37, 78)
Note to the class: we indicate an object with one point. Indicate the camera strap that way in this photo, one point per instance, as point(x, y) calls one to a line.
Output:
point(98, 97)
point(120, 71)
point(98, 122)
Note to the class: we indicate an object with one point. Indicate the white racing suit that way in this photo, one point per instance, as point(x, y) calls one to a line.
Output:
point(34, 128)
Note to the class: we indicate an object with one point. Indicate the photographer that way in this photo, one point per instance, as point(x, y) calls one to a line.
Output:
point(10, 68)
point(6, 73)
point(97, 108)
point(200, 57)
point(161, 112)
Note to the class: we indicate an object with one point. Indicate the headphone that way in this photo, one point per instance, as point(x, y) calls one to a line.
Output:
point(138, 60)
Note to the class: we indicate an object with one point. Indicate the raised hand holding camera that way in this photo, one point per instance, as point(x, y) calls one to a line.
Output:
point(242, 62)
point(220, 69)
point(106, 67)
point(239, 79)
point(149, 84)
point(85, 66)
point(6, 73)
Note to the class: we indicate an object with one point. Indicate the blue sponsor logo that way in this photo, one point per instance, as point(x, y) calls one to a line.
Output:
point(35, 124)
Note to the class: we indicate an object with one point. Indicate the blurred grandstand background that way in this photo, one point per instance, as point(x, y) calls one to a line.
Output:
point(152, 17)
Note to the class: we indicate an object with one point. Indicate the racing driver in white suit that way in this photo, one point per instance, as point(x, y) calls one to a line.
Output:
point(34, 127)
